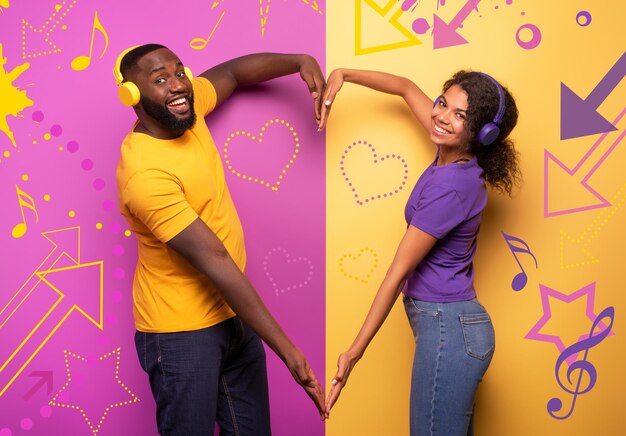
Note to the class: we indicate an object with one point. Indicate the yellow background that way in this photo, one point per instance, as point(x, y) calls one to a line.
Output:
point(361, 239)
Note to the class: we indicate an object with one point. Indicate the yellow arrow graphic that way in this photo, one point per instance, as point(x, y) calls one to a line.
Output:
point(45, 301)
point(580, 245)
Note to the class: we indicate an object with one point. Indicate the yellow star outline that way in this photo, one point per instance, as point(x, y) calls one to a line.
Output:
point(60, 403)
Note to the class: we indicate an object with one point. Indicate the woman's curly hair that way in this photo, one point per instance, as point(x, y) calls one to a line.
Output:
point(499, 159)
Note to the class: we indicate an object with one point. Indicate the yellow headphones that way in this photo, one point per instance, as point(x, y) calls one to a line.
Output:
point(128, 92)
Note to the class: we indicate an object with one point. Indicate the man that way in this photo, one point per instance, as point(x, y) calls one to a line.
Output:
point(192, 302)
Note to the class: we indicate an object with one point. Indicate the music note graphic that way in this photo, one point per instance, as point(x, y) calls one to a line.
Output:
point(555, 404)
point(199, 43)
point(24, 200)
point(81, 62)
point(520, 280)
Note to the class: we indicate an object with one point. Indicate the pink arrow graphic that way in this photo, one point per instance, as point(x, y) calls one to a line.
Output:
point(580, 117)
point(45, 378)
point(444, 34)
point(549, 157)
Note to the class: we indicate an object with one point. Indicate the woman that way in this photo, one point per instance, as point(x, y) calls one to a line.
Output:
point(469, 123)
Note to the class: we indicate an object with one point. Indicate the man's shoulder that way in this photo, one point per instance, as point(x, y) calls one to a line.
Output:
point(205, 96)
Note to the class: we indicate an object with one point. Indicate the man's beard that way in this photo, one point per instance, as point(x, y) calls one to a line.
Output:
point(168, 120)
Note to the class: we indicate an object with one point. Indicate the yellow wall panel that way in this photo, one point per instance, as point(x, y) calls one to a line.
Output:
point(573, 230)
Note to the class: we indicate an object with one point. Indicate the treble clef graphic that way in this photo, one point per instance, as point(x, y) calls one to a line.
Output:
point(555, 404)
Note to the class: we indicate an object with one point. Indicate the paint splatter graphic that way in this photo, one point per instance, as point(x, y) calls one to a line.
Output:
point(13, 99)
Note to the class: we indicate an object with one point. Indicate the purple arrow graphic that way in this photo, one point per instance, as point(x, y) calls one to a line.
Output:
point(580, 117)
point(45, 378)
point(444, 34)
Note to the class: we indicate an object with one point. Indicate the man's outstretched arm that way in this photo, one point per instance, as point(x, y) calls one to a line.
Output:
point(204, 250)
point(259, 67)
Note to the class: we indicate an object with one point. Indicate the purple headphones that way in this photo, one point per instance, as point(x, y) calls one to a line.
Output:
point(490, 131)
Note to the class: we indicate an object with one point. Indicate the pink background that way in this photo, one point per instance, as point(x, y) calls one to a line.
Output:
point(68, 147)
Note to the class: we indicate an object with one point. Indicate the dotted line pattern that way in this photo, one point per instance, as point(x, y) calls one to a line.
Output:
point(591, 232)
point(272, 185)
point(216, 3)
point(264, 11)
point(313, 5)
point(72, 146)
point(289, 260)
point(362, 251)
point(264, 14)
point(97, 428)
point(376, 161)
point(60, 11)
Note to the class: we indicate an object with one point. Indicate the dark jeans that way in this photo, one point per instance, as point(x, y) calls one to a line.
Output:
point(208, 375)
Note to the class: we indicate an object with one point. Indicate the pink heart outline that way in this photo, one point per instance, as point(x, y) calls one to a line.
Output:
point(289, 260)
point(376, 161)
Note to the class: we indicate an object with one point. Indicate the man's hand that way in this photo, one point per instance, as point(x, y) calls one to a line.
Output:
point(303, 374)
point(206, 252)
point(312, 74)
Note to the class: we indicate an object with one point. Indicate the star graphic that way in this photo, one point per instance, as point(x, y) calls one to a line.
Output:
point(587, 292)
point(93, 387)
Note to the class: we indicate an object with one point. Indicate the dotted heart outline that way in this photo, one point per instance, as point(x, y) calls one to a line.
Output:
point(300, 285)
point(376, 159)
point(272, 185)
point(355, 257)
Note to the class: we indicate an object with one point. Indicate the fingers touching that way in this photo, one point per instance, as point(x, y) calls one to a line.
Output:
point(344, 367)
point(333, 85)
point(303, 374)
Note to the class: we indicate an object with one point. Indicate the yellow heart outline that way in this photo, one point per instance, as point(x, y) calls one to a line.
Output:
point(273, 186)
point(353, 257)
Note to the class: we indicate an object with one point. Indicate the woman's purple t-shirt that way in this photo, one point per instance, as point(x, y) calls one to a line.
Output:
point(447, 202)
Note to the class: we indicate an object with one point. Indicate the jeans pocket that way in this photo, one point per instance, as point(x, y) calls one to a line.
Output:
point(140, 345)
point(478, 334)
point(423, 317)
point(415, 307)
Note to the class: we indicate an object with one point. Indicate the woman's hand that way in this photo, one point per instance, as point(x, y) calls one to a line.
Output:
point(345, 364)
point(333, 85)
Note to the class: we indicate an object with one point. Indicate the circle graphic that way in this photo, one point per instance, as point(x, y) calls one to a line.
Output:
point(583, 18)
point(534, 40)
point(38, 118)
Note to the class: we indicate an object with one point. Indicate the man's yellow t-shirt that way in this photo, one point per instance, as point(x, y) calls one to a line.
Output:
point(163, 186)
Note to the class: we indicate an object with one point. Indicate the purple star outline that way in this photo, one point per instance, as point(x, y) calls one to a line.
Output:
point(589, 291)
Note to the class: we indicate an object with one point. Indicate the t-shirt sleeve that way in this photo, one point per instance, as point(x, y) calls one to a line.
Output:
point(438, 211)
point(205, 96)
point(157, 199)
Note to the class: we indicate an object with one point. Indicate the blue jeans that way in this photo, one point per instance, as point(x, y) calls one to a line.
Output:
point(203, 376)
point(454, 343)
